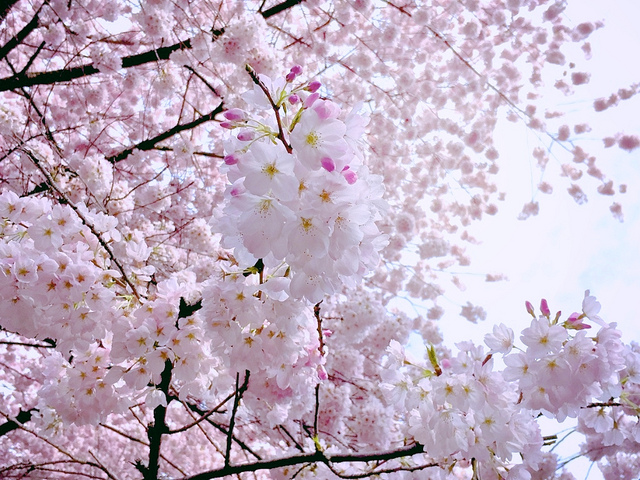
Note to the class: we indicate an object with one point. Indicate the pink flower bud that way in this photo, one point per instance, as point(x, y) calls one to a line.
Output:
point(231, 159)
point(328, 164)
point(290, 77)
point(349, 175)
point(296, 69)
point(314, 86)
point(234, 114)
point(293, 99)
point(322, 373)
point(530, 309)
point(544, 308)
point(246, 135)
point(228, 125)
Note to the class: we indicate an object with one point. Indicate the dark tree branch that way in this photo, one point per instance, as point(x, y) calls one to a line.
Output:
point(204, 80)
point(24, 79)
point(282, 428)
point(380, 471)
point(315, 457)
point(68, 74)
point(23, 417)
point(186, 310)
point(204, 154)
point(157, 429)
point(280, 7)
point(21, 35)
point(240, 389)
point(27, 344)
point(5, 6)
point(203, 416)
point(316, 314)
point(150, 143)
point(47, 131)
point(146, 444)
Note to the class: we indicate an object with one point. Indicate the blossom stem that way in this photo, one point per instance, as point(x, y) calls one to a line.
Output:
point(275, 107)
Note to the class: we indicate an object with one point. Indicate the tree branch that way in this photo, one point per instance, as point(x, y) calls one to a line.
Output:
point(276, 108)
point(65, 75)
point(158, 428)
point(5, 7)
point(280, 7)
point(221, 428)
point(21, 35)
point(203, 416)
point(236, 401)
point(150, 143)
point(27, 344)
point(315, 457)
point(23, 417)
point(25, 79)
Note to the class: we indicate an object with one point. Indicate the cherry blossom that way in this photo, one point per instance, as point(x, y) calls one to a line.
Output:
point(211, 211)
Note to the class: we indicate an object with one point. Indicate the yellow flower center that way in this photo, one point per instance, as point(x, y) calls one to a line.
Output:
point(270, 170)
point(307, 224)
point(312, 139)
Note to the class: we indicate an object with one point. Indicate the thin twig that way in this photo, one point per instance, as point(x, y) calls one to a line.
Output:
point(204, 416)
point(316, 314)
point(276, 108)
point(236, 401)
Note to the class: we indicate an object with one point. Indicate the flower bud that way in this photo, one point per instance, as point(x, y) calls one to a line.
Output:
point(544, 308)
point(328, 164)
point(235, 114)
point(530, 309)
point(314, 86)
point(349, 175)
point(246, 135)
point(231, 159)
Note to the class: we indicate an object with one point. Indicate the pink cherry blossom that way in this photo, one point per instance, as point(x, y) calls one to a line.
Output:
point(212, 264)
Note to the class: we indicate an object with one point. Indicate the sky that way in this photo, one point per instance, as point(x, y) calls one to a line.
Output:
point(567, 248)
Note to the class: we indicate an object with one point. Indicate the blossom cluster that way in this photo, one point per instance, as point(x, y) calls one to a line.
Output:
point(461, 407)
point(300, 199)
point(277, 341)
point(612, 428)
point(558, 373)
point(56, 280)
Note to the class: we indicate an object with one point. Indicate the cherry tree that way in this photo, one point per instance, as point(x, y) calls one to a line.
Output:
point(208, 209)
